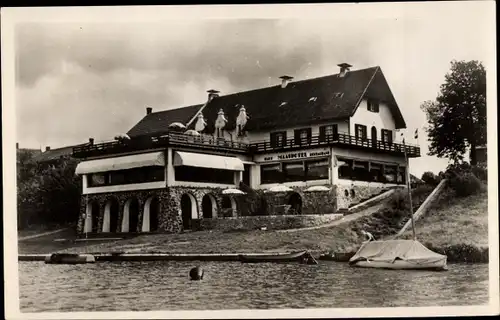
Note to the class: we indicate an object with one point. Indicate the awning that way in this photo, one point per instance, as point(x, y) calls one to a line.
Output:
point(207, 161)
point(121, 163)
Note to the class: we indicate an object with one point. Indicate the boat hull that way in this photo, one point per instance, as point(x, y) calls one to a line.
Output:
point(402, 265)
point(303, 256)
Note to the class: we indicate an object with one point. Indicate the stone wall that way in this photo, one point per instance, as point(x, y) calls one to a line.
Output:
point(316, 202)
point(350, 195)
point(280, 222)
point(170, 213)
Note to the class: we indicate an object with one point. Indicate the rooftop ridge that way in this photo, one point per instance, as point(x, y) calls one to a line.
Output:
point(269, 87)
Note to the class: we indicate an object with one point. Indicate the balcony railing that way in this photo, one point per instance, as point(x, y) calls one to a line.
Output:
point(163, 141)
point(204, 142)
point(336, 139)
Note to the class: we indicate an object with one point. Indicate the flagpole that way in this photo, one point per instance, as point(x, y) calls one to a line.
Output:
point(409, 190)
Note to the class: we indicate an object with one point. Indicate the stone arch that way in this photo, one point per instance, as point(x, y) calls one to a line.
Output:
point(150, 218)
point(229, 205)
point(111, 216)
point(209, 206)
point(189, 210)
point(295, 202)
point(91, 216)
point(130, 219)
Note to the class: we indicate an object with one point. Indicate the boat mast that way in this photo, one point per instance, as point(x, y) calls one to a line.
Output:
point(409, 190)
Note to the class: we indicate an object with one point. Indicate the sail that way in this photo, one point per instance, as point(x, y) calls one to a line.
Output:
point(389, 251)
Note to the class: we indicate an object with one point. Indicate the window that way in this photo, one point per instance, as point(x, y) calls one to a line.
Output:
point(386, 136)
point(390, 174)
point(360, 171)
point(98, 179)
point(129, 176)
point(328, 132)
point(271, 173)
point(196, 174)
point(317, 169)
point(368, 171)
point(401, 178)
point(302, 136)
point(294, 171)
point(278, 139)
point(373, 106)
point(345, 169)
point(360, 131)
point(338, 95)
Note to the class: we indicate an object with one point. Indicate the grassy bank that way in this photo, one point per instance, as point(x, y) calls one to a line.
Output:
point(457, 227)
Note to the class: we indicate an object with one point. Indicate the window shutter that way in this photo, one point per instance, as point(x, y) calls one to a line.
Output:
point(309, 135)
point(322, 136)
point(296, 136)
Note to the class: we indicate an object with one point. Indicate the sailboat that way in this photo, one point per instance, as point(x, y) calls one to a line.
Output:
point(399, 254)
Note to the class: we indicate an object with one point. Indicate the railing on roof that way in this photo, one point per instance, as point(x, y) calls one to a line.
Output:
point(336, 139)
point(170, 139)
point(221, 144)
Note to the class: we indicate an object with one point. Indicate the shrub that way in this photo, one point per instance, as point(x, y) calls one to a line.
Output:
point(399, 200)
point(465, 184)
point(430, 178)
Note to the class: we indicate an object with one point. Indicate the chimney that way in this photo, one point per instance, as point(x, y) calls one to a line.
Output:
point(149, 110)
point(91, 141)
point(285, 80)
point(47, 148)
point(344, 68)
point(212, 94)
point(17, 145)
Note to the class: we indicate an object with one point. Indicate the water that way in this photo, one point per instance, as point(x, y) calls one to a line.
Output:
point(150, 286)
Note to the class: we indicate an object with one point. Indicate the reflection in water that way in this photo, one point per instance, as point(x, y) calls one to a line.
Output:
point(141, 286)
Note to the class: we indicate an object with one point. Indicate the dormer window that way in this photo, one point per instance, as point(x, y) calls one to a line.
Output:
point(373, 106)
point(338, 95)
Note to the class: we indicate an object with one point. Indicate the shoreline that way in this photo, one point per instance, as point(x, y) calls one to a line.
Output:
point(461, 253)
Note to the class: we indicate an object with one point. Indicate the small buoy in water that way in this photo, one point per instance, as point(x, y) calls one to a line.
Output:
point(196, 273)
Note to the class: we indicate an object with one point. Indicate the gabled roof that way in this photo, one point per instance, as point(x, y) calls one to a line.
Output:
point(299, 103)
point(158, 122)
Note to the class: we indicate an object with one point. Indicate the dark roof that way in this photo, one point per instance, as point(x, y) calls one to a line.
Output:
point(158, 122)
point(55, 154)
point(266, 109)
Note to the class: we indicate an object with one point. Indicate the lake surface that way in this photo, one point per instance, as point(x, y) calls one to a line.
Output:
point(155, 286)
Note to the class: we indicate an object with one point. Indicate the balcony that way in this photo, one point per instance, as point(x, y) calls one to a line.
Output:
point(171, 139)
point(339, 139)
point(204, 142)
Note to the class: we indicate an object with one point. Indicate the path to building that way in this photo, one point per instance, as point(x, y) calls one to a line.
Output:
point(41, 234)
point(351, 217)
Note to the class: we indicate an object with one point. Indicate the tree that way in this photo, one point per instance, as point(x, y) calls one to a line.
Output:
point(457, 119)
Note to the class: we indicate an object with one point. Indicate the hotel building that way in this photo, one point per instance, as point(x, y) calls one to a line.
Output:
point(315, 146)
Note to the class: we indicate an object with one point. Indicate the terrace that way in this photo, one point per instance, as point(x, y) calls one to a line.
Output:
point(204, 142)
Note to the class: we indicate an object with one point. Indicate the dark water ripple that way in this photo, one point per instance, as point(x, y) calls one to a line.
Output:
point(148, 286)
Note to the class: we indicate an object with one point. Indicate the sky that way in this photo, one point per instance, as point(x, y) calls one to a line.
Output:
point(77, 78)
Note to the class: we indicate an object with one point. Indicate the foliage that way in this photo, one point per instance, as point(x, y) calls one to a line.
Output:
point(430, 178)
point(49, 195)
point(457, 119)
point(465, 184)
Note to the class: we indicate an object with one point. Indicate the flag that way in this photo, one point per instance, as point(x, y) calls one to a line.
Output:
point(416, 133)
